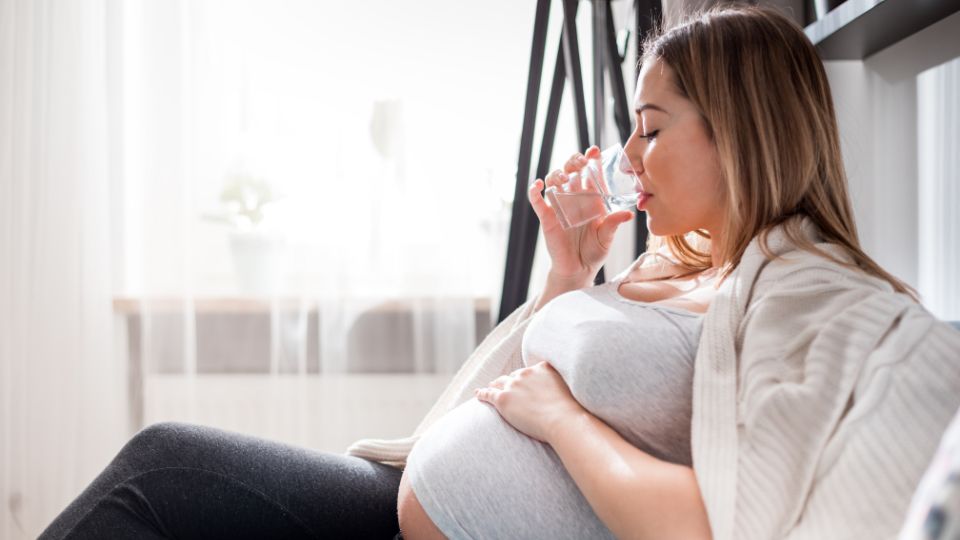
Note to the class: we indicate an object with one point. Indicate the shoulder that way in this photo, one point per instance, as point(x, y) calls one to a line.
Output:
point(801, 270)
point(795, 253)
point(800, 294)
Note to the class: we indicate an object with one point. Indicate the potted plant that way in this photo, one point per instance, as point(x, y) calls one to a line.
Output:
point(258, 252)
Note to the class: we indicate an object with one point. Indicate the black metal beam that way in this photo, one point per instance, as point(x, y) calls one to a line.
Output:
point(599, 92)
point(649, 14)
point(621, 109)
point(571, 56)
point(550, 126)
point(522, 218)
point(524, 226)
point(598, 29)
point(526, 249)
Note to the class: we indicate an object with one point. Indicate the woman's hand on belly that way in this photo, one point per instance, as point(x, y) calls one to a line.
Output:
point(415, 524)
point(535, 400)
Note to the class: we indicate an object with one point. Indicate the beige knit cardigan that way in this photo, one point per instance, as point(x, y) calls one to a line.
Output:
point(819, 397)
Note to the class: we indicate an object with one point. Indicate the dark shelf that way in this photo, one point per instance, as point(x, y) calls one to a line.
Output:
point(856, 29)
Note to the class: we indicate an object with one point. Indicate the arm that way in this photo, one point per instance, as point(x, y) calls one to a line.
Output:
point(556, 286)
point(633, 493)
point(576, 254)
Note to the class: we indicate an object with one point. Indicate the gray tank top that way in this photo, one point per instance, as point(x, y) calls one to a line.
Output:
point(629, 363)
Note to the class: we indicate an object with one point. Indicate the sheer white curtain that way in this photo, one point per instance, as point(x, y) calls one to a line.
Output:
point(384, 137)
point(63, 410)
point(315, 202)
point(938, 146)
point(286, 218)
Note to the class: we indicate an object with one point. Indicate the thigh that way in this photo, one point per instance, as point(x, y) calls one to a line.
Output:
point(192, 481)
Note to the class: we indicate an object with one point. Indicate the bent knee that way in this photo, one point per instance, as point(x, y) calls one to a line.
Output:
point(159, 439)
point(162, 433)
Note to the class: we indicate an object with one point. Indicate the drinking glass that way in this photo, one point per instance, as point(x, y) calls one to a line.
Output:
point(605, 185)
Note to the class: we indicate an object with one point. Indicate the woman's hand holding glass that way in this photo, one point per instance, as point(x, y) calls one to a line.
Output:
point(576, 253)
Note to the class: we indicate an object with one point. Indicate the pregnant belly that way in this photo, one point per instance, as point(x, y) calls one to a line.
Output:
point(415, 524)
point(473, 475)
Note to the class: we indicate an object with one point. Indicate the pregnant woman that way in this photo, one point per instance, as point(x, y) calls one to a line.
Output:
point(754, 375)
point(771, 337)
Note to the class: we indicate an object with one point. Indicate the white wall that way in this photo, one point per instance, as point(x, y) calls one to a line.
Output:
point(883, 135)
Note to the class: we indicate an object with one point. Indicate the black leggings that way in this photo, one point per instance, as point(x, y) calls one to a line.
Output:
point(177, 480)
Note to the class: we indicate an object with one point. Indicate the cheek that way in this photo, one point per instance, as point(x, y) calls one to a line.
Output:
point(706, 185)
point(670, 171)
point(711, 178)
point(688, 183)
point(659, 165)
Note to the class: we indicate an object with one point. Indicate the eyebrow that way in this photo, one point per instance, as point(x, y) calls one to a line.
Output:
point(651, 106)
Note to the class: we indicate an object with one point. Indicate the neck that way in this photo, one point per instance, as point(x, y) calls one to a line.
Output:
point(715, 240)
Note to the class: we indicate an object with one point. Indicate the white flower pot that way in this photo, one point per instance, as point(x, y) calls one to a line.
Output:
point(259, 262)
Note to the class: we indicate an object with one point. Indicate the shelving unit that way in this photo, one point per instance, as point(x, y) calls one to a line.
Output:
point(856, 29)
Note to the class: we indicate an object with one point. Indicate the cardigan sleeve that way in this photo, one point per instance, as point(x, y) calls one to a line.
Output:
point(497, 354)
point(832, 367)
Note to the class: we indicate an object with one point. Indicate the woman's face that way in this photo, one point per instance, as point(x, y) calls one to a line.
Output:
point(675, 158)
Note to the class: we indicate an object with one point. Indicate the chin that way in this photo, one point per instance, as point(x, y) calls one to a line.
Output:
point(656, 228)
point(659, 228)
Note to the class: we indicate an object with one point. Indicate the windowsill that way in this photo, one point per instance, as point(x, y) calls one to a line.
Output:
point(288, 335)
point(127, 305)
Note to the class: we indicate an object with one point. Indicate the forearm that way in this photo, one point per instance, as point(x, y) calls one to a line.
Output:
point(556, 286)
point(633, 493)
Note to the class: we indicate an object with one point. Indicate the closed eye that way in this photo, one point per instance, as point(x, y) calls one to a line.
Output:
point(650, 136)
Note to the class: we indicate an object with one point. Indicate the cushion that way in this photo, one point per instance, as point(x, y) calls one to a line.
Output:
point(935, 509)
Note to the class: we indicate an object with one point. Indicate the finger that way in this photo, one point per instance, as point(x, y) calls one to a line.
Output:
point(499, 382)
point(555, 178)
point(520, 371)
point(543, 364)
point(535, 196)
point(592, 152)
point(575, 163)
point(608, 227)
point(489, 395)
point(543, 211)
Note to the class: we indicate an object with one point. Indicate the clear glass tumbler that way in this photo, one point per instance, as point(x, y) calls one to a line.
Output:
point(603, 186)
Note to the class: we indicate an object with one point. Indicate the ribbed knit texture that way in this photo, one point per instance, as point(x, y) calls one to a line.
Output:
point(819, 397)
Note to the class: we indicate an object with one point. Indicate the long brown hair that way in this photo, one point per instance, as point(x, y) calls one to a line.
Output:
point(763, 94)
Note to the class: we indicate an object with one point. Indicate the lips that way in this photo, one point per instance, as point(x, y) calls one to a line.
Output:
point(642, 201)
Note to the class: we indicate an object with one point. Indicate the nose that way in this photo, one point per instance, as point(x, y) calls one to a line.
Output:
point(633, 151)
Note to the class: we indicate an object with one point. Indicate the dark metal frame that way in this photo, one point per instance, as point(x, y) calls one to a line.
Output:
point(607, 58)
